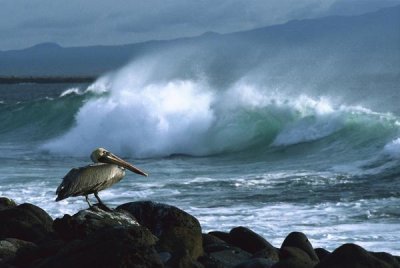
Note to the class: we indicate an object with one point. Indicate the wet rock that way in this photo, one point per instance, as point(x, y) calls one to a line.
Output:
point(209, 239)
point(267, 253)
point(50, 248)
point(248, 240)
point(216, 247)
point(183, 260)
point(209, 262)
point(131, 246)
point(26, 222)
point(256, 263)
point(321, 253)
point(10, 247)
point(228, 257)
point(30, 257)
point(300, 240)
point(177, 230)
point(352, 256)
point(6, 203)
point(212, 244)
point(224, 236)
point(293, 257)
point(388, 258)
point(164, 256)
point(89, 221)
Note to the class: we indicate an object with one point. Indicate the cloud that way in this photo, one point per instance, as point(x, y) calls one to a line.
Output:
point(76, 23)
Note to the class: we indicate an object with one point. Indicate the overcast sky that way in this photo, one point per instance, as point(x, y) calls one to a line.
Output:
point(24, 23)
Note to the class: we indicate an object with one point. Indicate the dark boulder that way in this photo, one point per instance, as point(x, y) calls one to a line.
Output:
point(394, 261)
point(230, 256)
point(89, 221)
point(267, 253)
point(131, 246)
point(248, 240)
point(209, 239)
point(352, 256)
point(212, 243)
point(183, 260)
point(300, 240)
point(6, 203)
point(10, 247)
point(177, 230)
point(256, 263)
point(26, 222)
point(29, 257)
point(321, 253)
point(224, 236)
point(293, 257)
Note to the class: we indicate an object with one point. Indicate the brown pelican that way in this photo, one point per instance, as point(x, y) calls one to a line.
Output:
point(106, 170)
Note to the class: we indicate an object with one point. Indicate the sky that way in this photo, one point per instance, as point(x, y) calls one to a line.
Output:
point(24, 23)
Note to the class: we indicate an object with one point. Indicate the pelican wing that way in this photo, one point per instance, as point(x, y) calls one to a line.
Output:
point(88, 179)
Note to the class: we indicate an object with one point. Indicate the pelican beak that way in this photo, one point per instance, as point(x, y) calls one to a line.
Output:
point(110, 158)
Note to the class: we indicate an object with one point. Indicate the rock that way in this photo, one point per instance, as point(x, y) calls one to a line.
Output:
point(217, 247)
point(29, 257)
point(89, 221)
point(183, 260)
point(248, 240)
point(256, 263)
point(267, 253)
point(177, 230)
point(388, 258)
point(212, 243)
point(222, 235)
point(9, 247)
point(300, 240)
point(352, 256)
point(7, 250)
point(26, 222)
point(228, 257)
point(209, 262)
point(321, 253)
point(209, 239)
point(164, 256)
point(131, 246)
point(293, 257)
point(6, 203)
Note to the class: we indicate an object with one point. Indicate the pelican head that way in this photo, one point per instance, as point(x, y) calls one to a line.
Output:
point(101, 155)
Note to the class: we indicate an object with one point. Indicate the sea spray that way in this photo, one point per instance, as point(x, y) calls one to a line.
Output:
point(135, 116)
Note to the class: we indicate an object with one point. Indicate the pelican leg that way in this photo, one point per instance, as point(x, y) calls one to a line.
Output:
point(101, 204)
point(98, 198)
point(87, 200)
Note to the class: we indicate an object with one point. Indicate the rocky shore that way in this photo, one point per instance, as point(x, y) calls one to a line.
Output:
point(148, 234)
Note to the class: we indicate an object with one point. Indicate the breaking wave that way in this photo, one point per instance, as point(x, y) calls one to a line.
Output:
point(143, 118)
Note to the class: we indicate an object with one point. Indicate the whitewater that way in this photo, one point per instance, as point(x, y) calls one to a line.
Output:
point(244, 153)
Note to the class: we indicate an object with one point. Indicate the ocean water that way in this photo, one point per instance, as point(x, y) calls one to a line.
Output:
point(243, 154)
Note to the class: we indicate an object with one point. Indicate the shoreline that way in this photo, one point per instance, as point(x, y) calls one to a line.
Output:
point(151, 234)
point(46, 79)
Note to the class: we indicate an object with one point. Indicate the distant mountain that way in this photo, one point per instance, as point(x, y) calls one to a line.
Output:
point(358, 41)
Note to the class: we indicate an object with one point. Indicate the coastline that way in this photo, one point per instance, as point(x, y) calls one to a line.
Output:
point(150, 234)
point(46, 79)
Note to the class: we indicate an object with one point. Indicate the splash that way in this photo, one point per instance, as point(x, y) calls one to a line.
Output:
point(392, 149)
point(143, 114)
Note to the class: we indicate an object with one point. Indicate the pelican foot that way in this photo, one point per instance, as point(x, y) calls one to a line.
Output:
point(102, 206)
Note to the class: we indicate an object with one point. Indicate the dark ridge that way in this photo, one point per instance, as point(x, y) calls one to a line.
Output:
point(46, 79)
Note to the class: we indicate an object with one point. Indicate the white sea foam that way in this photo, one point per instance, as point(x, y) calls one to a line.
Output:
point(144, 116)
point(69, 91)
point(392, 149)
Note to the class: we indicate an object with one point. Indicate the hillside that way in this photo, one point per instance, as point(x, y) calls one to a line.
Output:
point(372, 38)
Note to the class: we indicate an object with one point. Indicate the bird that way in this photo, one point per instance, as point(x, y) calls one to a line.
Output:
point(106, 170)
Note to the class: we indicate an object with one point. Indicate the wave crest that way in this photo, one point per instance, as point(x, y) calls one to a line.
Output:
point(143, 117)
